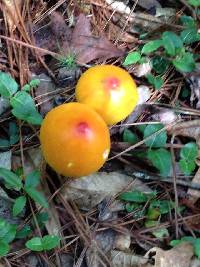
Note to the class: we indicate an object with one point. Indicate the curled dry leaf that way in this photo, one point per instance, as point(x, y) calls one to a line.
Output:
point(122, 242)
point(188, 129)
point(78, 41)
point(89, 191)
point(122, 259)
point(179, 256)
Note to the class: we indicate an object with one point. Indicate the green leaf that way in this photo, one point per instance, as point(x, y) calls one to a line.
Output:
point(135, 196)
point(49, 242)
point(164, 206)
point(153, 214)
point(36, 196)
point(8, 85)
point(4, 143)
point(131, 206)
point(13, 133)
point(187, 167)
point(35, 244)
point(10, 235)
point(24, 232)
point(151, 46)
point(190, 36)
point(19, 205)
point(11, 179)
point(34, 83)
point(157, 82)
point(32, 179)
point(150, 223)
point(7, 231)
point(160, 64)
point(161, 233)
point(26, 88)
point(194, 2)
point(4, 248)
point(132, 58)
point(158, 140)
point(189, 151)
point(24, 108)
point(130, 137)
point(172, 43)
point(185, 92)
point(188, 21)
point(197, 247)
point(161, 159)
point(184, 62)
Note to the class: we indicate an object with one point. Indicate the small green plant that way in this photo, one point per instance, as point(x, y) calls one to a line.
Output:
point(8, 232)
point(188, 155)
point(7, 235)
point(68, 61)
point(156, 152)
point(27, 188)
point(47, 242)
point(173, 50)
point(152, 211)
point(23, 106)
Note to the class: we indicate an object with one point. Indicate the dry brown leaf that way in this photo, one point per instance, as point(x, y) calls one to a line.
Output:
point(122, 259)
point(79, 41)
point(179, 256)
point(89, 191)
point(188, 129)
point(88, 47)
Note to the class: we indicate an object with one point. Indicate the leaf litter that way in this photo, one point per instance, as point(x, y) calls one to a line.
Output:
point(79, 41)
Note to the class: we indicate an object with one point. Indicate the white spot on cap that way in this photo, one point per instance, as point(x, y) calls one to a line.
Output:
point(105, 154)
point(70, 164)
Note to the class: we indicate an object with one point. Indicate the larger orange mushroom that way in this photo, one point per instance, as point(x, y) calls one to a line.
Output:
point(75, 140)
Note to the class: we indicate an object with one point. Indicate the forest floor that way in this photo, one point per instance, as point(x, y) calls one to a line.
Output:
point(142, 208)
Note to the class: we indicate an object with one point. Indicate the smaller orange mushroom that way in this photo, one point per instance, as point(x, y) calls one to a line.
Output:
point(108, 89)
point(75, 140)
